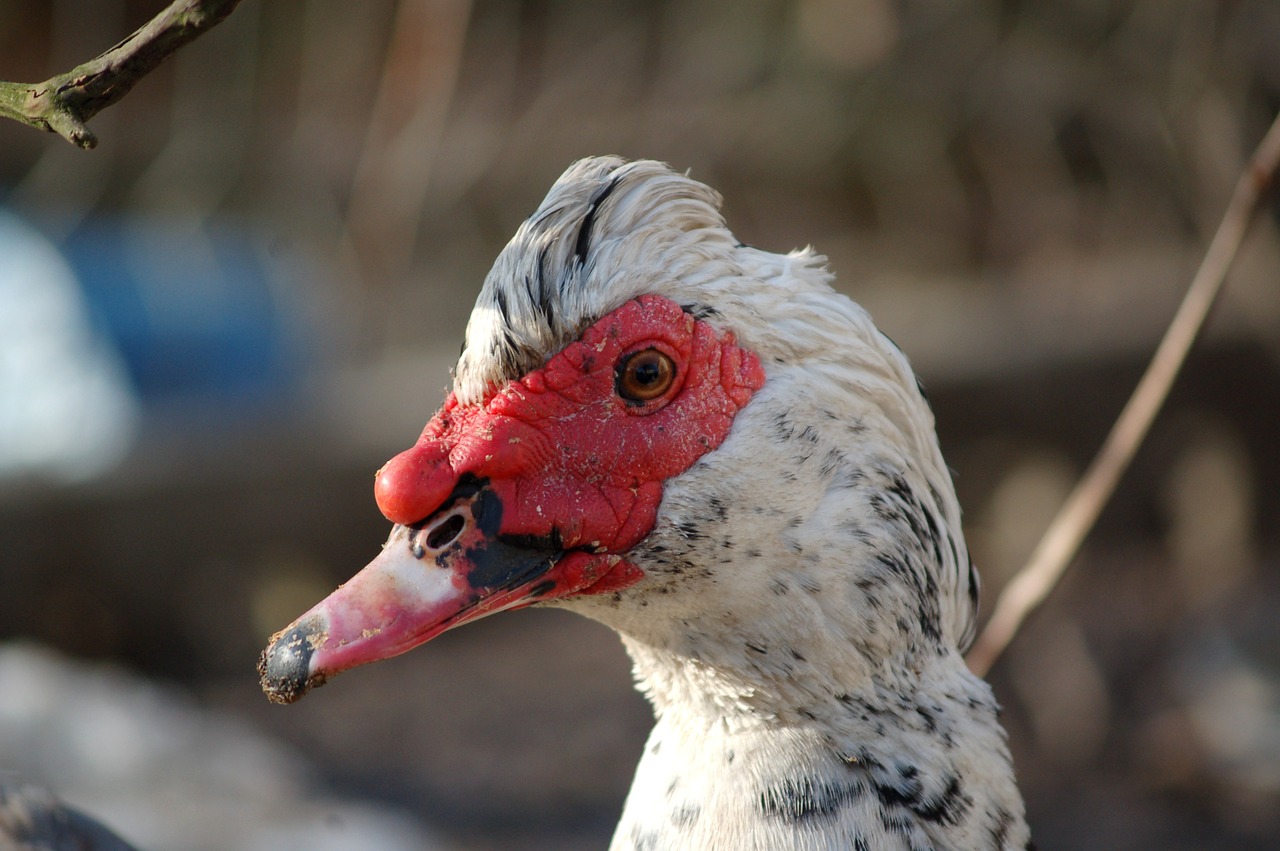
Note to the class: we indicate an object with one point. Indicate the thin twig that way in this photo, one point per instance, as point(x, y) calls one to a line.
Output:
point(64, 103)
point(1062, 540)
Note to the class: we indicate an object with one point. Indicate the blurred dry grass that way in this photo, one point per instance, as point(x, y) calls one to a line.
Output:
point(1017, 189)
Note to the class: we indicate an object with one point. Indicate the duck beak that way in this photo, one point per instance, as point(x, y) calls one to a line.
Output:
point(447, 570)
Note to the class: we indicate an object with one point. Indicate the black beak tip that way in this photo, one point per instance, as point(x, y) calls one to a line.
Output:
point(283, 667)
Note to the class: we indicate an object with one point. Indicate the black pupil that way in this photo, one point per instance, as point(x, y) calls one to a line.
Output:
point(647, 372)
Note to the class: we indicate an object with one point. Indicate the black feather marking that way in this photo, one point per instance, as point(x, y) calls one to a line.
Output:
point(899, 505)
point(583, 245)
point(895, 820)
point(689, 531)
point(531, 290)
point(918, 518)
point(1000, 830)
point(832, 461)
point(643, 840)
point(947, 807)
point(925, 591)
point(544, 301)
point(501, 298)
point(718, 507)
point(685, 815)
point(793, 801)
point(975, 585)
point(699, 311)
point(783, 428)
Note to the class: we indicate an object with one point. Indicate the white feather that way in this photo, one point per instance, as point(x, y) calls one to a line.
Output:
point(808, 591)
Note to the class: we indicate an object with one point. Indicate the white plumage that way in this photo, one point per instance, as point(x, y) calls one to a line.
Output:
point(807, 589)
point(705, 447)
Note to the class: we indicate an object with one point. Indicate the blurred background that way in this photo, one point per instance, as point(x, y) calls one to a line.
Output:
point(217, 325)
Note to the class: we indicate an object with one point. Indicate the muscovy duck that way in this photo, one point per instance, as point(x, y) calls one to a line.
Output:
point(704, 446)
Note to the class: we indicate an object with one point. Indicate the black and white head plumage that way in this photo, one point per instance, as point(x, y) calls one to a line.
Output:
point(611, 230)
point(580, 255)
point(808, 591)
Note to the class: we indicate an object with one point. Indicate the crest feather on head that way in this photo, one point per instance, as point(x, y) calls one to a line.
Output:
point(607, 231)
point(610, 230)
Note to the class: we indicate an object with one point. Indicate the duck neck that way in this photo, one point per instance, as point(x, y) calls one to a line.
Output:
point(890, 759)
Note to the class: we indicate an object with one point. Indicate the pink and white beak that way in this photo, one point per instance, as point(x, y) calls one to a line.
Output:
point(535, 493)
point(444, 571)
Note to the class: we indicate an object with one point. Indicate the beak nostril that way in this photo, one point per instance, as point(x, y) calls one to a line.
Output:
point(446, 532)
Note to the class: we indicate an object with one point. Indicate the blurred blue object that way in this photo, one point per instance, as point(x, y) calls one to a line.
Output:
point(191, 308)
point(66, 407)
point(178, 322)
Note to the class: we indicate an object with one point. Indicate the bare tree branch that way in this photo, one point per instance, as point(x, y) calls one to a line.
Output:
point(64, 103)
point(1062, 540)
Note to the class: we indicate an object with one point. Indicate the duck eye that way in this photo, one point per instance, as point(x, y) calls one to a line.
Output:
point(645, 375)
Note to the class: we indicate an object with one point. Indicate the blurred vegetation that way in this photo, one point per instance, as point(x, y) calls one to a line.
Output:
point(1018, 190)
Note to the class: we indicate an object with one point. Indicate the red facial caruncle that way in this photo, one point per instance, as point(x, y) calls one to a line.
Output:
point(534, 493)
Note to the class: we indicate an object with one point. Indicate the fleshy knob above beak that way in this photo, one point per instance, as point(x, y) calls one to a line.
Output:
point(415, 483)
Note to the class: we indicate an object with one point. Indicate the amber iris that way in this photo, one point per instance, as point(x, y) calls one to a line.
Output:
point(645, 375)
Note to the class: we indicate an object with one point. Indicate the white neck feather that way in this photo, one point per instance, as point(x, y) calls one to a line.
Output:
point(876, 767)
point(807, 589)
point(799, 629)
